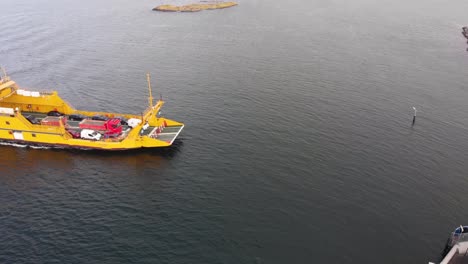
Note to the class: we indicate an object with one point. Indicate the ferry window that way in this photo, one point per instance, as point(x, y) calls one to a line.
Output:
point(7, 122)
point(34, 135)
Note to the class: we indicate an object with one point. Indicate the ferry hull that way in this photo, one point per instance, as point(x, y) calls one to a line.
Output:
point(19, 110)
point(22, 143)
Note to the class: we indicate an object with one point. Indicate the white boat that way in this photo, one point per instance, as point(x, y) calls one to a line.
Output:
point(456, 249)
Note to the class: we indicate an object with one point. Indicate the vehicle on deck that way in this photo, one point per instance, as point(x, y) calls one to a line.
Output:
point(54, 113)
point(111, 126)
point(100, 117)
point(133, 122)
point(90, 134)
point(32, 119)
point(123, 120)
point(53, 121)
point(76, 117)
point(74, 133)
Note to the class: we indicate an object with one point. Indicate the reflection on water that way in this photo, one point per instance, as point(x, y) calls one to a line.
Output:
point(16, 160)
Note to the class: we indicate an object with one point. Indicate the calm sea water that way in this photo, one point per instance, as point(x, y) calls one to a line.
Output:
point(298, 145)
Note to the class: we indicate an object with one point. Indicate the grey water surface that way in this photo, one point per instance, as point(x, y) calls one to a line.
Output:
point(298, 146)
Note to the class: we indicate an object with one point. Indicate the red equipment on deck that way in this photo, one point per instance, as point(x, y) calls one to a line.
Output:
point(53, 121)
point(111, 126)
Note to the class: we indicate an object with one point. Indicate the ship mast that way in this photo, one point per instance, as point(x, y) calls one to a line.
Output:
point(4, 76)
point(150, 98)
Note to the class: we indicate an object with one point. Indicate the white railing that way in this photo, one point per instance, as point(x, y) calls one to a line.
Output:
point(456, 238)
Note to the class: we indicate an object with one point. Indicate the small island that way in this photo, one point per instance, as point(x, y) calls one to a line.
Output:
point(194, 7)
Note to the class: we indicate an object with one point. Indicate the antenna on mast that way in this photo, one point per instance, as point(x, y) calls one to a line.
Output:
point(150, 98)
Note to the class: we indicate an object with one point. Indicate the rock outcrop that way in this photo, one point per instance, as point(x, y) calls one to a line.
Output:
point(194, 7)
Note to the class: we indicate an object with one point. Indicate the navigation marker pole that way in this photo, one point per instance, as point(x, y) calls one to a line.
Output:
point(414, 116)
point(150, 98)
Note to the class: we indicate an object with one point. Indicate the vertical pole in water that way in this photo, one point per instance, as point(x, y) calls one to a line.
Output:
point(414, 116)
point(150, 98)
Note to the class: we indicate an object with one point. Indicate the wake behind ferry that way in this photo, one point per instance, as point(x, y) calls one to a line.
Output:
point(44, 119)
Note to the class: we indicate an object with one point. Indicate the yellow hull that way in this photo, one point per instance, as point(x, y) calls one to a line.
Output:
point(15, 104)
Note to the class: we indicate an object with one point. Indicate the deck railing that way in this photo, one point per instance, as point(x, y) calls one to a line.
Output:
point(456, 238)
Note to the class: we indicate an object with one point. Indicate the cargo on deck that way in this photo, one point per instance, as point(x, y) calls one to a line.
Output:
point(111, 126)
point(53, 121)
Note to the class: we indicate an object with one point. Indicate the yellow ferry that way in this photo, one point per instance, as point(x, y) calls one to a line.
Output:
point(36, 118)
